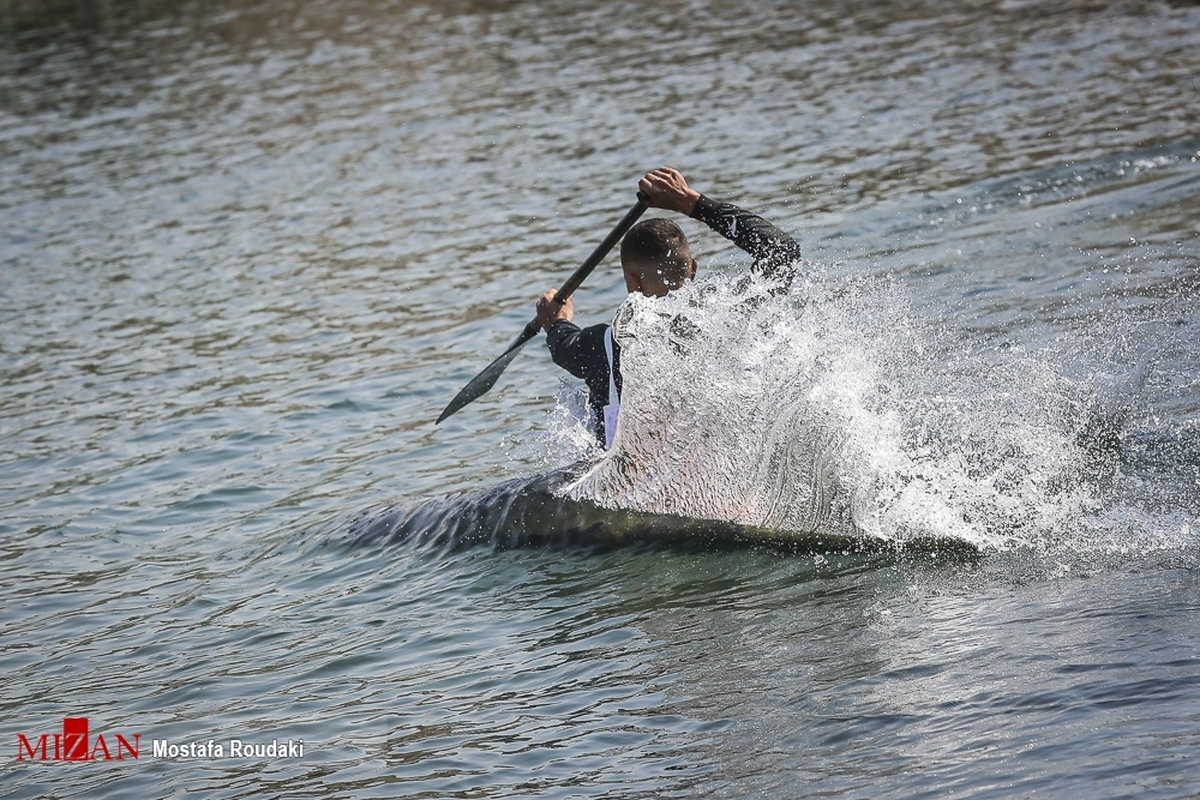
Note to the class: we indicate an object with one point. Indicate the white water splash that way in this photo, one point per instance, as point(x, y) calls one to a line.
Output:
point(831, 409)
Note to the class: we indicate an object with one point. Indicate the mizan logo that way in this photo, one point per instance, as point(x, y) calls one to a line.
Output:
point(73, 744)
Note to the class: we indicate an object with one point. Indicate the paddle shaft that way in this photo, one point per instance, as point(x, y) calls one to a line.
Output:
point(484, 381)
point(532, 328)
point(572, 283)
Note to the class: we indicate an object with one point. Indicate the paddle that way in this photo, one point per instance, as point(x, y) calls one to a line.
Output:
point(485, 380)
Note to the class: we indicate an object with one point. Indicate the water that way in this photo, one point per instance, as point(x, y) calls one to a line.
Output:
point(948, 490)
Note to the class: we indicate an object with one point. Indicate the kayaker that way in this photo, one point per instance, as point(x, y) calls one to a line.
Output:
point(656, 259)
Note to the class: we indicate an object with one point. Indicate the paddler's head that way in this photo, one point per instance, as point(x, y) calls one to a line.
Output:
point(656, 258)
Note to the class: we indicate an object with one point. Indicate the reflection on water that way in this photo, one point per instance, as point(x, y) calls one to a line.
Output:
point(248, 250)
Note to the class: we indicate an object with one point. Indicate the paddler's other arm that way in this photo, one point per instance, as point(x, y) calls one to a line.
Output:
point(579, 352)
point(775, 253)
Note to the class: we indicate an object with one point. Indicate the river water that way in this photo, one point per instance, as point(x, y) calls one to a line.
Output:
point(926, 526)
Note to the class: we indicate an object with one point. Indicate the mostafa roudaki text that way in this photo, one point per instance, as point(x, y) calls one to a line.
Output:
point(236, 748)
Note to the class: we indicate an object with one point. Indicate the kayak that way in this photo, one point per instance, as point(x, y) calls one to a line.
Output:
point(532, 513)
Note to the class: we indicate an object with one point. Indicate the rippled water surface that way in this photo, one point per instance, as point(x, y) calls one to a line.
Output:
point(932, 517)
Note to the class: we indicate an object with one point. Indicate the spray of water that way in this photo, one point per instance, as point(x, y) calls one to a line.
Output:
point(832, 409)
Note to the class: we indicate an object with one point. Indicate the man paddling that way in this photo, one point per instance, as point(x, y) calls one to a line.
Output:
point(656, 259)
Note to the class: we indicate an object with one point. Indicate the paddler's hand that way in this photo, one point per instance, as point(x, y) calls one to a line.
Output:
point(667, 189)
point(550, 312)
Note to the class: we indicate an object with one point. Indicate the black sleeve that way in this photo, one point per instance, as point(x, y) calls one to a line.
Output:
point(581, 353)
point(775, 253)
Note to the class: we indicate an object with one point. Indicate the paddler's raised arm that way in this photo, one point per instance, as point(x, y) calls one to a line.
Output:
point(775, 253)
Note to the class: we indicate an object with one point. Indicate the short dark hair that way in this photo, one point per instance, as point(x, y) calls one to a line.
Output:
point(658, 244)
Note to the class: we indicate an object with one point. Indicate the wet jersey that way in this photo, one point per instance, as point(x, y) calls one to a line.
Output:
point(583, 352)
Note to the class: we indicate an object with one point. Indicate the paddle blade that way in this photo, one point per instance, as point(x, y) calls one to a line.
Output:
point(483, 382)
